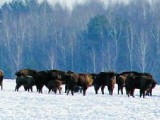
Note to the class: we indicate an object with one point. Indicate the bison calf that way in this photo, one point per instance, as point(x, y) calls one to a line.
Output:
point(54, 85)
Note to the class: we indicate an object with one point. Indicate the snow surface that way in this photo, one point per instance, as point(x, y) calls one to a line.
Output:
point(23, 105)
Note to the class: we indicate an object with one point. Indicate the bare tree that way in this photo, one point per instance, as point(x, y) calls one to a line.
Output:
point(130, 44)
point(142, 51)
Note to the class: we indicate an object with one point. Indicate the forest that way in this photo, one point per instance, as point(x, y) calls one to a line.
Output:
point(88, 37)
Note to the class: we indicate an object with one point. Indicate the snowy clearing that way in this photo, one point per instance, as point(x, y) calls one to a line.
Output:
point(34, 106)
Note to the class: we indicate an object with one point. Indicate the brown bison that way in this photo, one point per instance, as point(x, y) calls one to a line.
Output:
point(141, 82)
point(85, 81)
point(46, 77)
point(28, 82)
point(121, 78)
point(54, 85)
point(56, 74)
point(40, 80)
point(1, 79)
point(105, 79)
point(149, 92)
point(71, 82)
point(82, 80)
point(26, 72)
point(78, 89)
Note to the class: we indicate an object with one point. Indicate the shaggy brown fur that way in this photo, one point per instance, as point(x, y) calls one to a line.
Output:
point(105, 79)
point(28, 82)
point(143, 83)
point(54, 85)
point(121, 78)
point(26, 72)
point(82, 80)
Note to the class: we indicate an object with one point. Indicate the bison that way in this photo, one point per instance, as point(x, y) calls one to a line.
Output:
point(71, 81)
point(54, 85)
point(26, 72)
point(1, 79)
point(47, 77)
point(82, 80)
point(40, 80)
point(28, 82)
point(85, 81)
point(56, 74)
point(149, 92)
point(141, 82)
point(105, 79)
point(78, 89)
point(121, 78)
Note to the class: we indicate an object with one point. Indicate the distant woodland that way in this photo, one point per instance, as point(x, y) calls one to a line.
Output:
point(89, 38)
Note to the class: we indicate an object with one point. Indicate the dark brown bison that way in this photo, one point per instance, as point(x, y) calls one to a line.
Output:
point(40, 80)
point(56, 74)
point(121, 78)
point(141, 82)
point(78, 89)
point(85, 81)
point(149, 92)
point(26, 72)
point(28, 82)
point(54, 85)
point(105, 79)
point(71, 82)
point(82, 80)
point(1, 79)
point(47, 77)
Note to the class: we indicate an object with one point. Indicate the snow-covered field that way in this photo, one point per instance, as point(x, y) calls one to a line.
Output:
point(34, 106)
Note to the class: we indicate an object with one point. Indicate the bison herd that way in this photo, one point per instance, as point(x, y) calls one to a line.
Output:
point(74, 82)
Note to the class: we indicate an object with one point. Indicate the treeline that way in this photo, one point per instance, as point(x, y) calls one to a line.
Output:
point(90, 38)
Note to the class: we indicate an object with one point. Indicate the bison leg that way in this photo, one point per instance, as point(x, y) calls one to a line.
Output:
point(55, 90)
point(142, 92)
point(60, 90)
point(111, 92)
point(40, 89)
point(81, 90)
point(65, 88)
point(150, 92)
point(122, 90)
point(128, 91)
point(25, 87)
point(96, 87)
point(72, 92)
point(1, 86)
point(118, 89)
point(68, 91)
point(31, 89)
point(17, 87)
point(84, 91)
point(49, 90)
point(132, 92)
point(102, 89)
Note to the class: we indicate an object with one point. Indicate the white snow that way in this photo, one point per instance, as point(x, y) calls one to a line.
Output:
point(24, 105)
